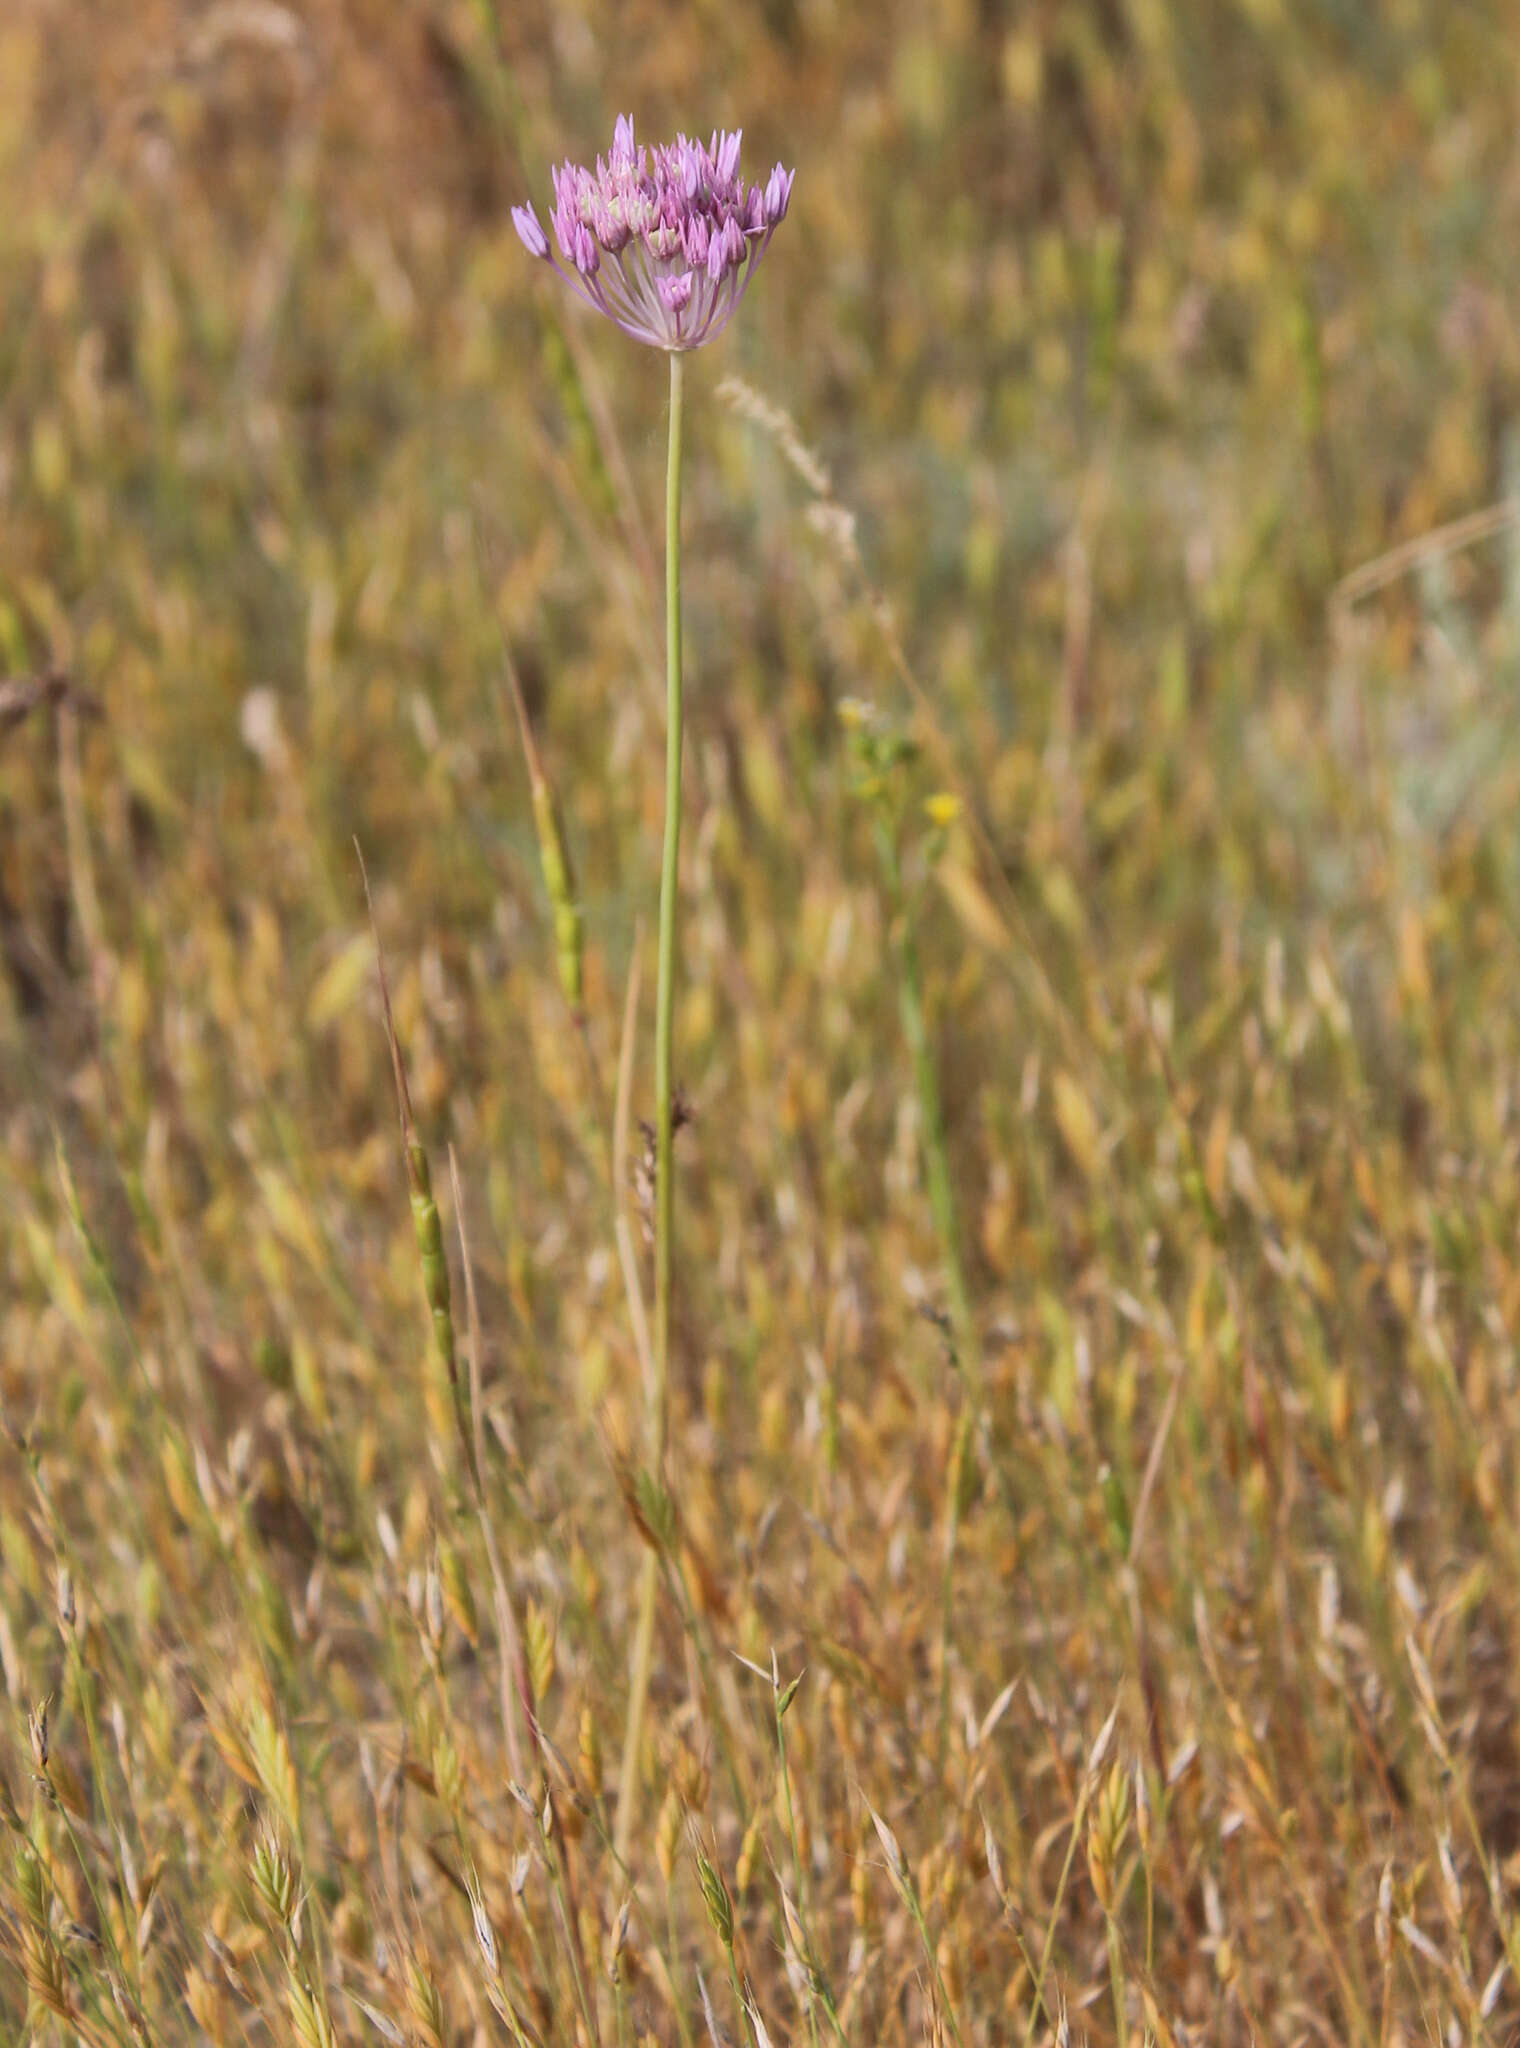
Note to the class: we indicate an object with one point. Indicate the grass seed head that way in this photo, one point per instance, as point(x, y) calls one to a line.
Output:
point(749, 1850)
point(308, 2015)
point(617, 1942)
point(667, 1833)
point(32, 1887)
point(715, 1896)
point(424, 2002)
point(589, 1758)
point(10, 1813)
point(457, 1597)
point(47, 1977)
point(448, 1772)
point(1106, 1831)
point(485, 1932)
point(37, 1734)
point(538, 1641)
point(273, 1878)
point(897, 1863)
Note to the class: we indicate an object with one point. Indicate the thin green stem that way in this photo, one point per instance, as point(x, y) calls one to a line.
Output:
point(1116, 1980)
point(936, 1146)
point(1150, 1920)
point(572, 1941)
point(936, 1153)
point(643, 1654)
point(665, 988)
point(1038, 2006)
point(916, 1911)
point(960, 1452)
point(664, 1199)
point(746, 2024)
point(797, 1868)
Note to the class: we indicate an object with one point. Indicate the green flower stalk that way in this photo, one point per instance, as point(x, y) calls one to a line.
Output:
point(669, 872)
point(665, 242)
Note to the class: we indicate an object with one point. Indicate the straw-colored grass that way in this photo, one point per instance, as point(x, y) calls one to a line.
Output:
point(1088, 1577)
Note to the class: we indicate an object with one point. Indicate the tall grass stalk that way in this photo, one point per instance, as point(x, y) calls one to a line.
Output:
point(931, 1109)
point(936, 1153)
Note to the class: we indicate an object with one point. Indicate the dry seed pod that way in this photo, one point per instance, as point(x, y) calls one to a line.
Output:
point(37, 1732)
point(617, 1943)
point(208, 2006)
point(897, 1863)
point(1383, 1920)
point(862, 1897)
point(485, 1932)
point(432, 1608)
point(690, 1778)
point(538, 1637)
point(590, 1758)
point(448, 1775)
point(1106, 1832)
point(667, 1833)
point(948, 1956)
point(749, 1850)
point(457, 1597)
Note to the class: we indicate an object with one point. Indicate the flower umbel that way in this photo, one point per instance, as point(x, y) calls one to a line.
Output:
point(664, 241)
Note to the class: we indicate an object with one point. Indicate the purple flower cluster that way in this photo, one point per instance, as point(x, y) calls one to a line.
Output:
point(664, 241)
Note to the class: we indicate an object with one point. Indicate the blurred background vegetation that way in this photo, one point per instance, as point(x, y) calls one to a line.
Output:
point(1125, 332)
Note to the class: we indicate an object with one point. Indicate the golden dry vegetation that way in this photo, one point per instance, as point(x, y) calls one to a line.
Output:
point(1098, 1229)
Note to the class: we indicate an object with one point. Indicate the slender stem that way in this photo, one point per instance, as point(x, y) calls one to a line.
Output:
point(1116, 1980)
point(643, 1653)
point(942, 1204)
point(801, 1875)
point(746, 2024)
point(665, 990)
point(916, 1911)
point(1039, 2005)
point(664, 1198)
point(1150, 1920)
point(936, 1147)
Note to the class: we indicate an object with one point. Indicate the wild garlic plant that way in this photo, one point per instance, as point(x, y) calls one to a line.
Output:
point(664, 241)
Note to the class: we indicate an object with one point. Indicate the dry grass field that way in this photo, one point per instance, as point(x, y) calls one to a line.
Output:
point(1087, 1563)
